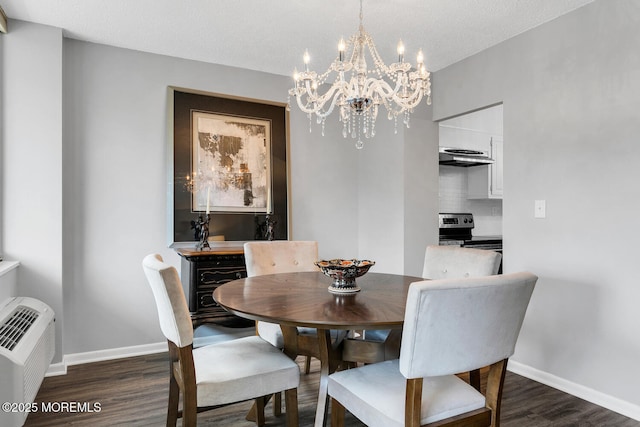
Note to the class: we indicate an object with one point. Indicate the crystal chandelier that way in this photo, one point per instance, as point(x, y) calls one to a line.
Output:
point(398, 87)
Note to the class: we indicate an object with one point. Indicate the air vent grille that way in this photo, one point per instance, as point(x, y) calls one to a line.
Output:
point(14, 328)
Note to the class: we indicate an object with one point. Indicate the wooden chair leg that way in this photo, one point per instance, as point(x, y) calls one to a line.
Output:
point(277, 404)
point(495, 382)
point(174, 400)
point(260, 411)
point(174, 387)
point(189, 410)
point(291, 402)
point(251, 415)
point(413, 402)
point(474, 379)
point(307, 364)
point(337, 413)
point(189, 391)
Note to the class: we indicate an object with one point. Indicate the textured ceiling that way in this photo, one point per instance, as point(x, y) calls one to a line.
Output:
point(270, 35)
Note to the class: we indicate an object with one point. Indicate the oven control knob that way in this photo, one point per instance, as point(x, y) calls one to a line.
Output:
point(470, 220)
point(466, 220)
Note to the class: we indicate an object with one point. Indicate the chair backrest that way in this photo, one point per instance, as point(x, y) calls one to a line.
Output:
point(457, 325)
point(280, 256)
point(453, 262)
point(173, 312)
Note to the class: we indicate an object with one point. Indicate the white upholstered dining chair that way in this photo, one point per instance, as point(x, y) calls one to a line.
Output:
point(218, 374)
point(283, 256)
point(451, 326)
point(440, 262)
point(452, 262)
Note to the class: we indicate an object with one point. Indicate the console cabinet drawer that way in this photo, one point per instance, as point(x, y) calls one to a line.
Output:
point(218, 275)
point(202, 272)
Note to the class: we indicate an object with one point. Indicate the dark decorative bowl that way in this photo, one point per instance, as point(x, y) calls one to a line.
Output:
point(344, 273)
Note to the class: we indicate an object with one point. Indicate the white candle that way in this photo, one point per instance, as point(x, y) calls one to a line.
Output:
point(268, 200)
point(208, 194)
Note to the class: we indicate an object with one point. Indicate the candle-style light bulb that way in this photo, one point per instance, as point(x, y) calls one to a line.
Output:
point(341, 48)
point(420, 58)
point(306, 58)
point(400, 51)
point(296, 75)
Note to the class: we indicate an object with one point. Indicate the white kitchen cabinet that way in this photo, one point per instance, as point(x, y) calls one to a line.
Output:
point(485, 182)
point(468, 139)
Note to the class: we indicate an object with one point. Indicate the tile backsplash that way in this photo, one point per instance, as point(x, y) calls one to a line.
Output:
point(453, 190)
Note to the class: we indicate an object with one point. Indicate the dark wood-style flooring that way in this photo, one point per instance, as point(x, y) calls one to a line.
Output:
point(133, 392)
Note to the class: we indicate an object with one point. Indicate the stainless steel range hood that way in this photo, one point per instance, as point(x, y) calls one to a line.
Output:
point(463, 157)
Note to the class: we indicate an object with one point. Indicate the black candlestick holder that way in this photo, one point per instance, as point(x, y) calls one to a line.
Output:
point(201, 231)
point(265, 230)
point(270, 224)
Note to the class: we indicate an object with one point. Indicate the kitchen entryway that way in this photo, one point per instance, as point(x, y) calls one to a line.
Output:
point(471, 178)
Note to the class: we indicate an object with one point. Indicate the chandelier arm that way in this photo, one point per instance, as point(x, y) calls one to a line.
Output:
point(382, 87)
point(310, 92)
point(404, 103)
point(400, 106)
point(336, 87)
point(410, 99)
point(386, 91)
point(319, 101)
point(334, 94)
point(334, 100)
point(303, 107)
point(409, 103)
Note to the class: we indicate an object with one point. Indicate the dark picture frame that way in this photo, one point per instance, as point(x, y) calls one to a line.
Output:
point(227, 156)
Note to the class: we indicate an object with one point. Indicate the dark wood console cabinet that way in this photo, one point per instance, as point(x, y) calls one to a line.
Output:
point(203, 271)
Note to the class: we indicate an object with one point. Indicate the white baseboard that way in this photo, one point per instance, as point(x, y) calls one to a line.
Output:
point(101, 355)
point(137, 350)
point(620, 406)
point(56, 369)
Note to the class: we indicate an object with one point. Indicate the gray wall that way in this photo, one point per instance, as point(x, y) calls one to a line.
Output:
point(420, 191)
point(571, 124)
point(31, 163)
point(116, 101)
point(105, 168)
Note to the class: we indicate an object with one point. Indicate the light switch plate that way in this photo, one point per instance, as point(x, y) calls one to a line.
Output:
point(540, 209)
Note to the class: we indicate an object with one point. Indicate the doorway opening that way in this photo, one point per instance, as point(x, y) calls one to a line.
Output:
point(475, 189)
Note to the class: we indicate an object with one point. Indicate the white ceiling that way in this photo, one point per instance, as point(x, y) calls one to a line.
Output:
point(271, 35)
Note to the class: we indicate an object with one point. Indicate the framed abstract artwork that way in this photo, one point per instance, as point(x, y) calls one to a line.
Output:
point(231, 164)
point(228, 158)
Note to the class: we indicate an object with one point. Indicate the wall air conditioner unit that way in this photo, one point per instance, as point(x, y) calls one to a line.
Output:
point(27, 345)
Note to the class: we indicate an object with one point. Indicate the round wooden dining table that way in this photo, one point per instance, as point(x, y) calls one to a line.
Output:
point(302, 299)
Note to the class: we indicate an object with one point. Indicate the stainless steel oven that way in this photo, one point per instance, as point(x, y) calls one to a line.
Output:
point(456, 229)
